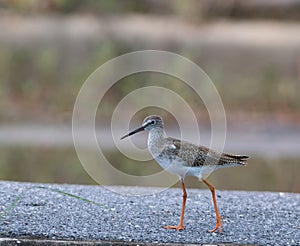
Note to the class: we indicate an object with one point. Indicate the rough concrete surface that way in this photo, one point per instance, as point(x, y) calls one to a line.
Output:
point(255, 218)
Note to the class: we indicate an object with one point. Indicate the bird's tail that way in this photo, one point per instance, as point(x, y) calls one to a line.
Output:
point(238, 159)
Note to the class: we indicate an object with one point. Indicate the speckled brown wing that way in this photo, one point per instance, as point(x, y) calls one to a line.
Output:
point(196, 156)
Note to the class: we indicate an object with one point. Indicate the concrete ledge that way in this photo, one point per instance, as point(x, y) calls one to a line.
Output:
point(46, 217)
point(47, 242)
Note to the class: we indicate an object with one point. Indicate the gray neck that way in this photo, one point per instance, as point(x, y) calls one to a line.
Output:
point(156, 140)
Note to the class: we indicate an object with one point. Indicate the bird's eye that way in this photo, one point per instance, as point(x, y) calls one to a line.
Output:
point(152, 122)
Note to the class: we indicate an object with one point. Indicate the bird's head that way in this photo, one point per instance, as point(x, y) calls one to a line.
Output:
point(150, 122)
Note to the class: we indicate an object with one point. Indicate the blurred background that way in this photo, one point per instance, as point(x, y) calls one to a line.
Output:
point(250, 49)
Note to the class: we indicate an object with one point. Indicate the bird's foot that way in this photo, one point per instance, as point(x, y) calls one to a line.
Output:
point(218, 226)
point(178, 228)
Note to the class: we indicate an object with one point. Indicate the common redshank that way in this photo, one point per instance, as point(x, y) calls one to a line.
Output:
point(186, 159)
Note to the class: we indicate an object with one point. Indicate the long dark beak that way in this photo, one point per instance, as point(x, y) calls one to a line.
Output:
point(141, 128)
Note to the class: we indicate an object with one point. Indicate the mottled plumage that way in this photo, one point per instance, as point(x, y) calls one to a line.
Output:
point(197, 156)
point(185, 159)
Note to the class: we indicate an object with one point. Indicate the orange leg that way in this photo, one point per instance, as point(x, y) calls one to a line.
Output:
point(184, 196)
point(218, 217)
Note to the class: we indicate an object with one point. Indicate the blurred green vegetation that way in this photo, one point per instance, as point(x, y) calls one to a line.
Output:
point(194, 10)
point(42, 84)
point(103, 7)
point(47, 165)
point(38, 83)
